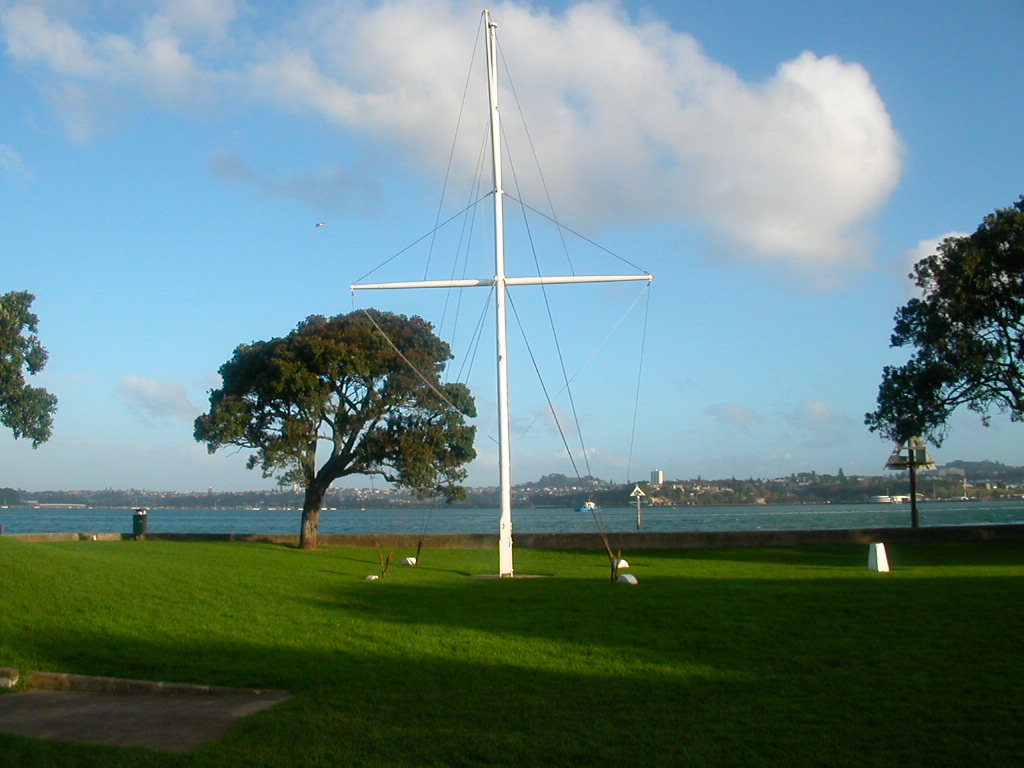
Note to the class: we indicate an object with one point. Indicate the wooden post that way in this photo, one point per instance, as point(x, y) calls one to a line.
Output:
point(914, 520)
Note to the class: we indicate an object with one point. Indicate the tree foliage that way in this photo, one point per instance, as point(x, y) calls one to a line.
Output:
point(26, 410)
point(367, 386)
point(968, 331)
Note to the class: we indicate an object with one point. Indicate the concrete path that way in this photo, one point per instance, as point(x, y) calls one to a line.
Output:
point(130, 713)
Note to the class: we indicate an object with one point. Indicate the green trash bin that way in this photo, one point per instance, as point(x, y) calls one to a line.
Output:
point(139, 522)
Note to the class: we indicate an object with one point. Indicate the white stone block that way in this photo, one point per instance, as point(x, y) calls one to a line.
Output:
point(409, 561)
point(877, 560)
point(8, 677)
point(620, 564)
point(626, 578)
point(372, 577)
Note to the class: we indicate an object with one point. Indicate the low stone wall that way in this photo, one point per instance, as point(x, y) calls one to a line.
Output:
point(626, 541)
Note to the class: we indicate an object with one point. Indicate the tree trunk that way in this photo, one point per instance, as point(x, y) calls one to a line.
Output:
point(311, 516)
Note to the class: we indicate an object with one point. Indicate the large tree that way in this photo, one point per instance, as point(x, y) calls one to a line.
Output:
point(366, 386)
point(26, 410)
point(968, 331)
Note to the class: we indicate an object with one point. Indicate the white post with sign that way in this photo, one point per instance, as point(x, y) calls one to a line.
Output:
point(637, 494)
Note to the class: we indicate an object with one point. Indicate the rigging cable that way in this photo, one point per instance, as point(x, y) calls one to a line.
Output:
point(586, 363)
point(413, 368)
point(422, 237)
point(536, 159)
point(639, 376)
point(451, 154)
point(544, 291)
point(543, 386)
point(465, 239)
point(469, 358)
point(580, 236)
point(554, 336)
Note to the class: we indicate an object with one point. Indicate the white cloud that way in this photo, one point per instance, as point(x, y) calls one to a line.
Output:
point(637, 122)
point(95, 71)
point(733, 415)
point(203, 19)
point(11, 161)
point(632, 121)
point(31, 35)
point(923, 250)
point(814, 414)
point(821, 426)
point(152, 399)
point(326, 189)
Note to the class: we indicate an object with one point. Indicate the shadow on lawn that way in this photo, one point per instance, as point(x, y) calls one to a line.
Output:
point(422, 669)
point(577, 672)
point(902, 555)
point(383, 708)
point(801, 557)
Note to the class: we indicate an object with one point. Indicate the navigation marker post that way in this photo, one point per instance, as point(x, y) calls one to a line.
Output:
point(637, 494)
point(917, 458)
point(500, 282)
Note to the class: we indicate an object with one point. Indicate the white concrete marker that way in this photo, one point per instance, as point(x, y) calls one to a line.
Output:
point(409, 561)
point(626, 578)
point(620, 564)
point(372, 577)
point(877, 560)
point(8, 677)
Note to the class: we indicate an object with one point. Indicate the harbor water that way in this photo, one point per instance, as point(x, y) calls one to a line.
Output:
point(449, 520)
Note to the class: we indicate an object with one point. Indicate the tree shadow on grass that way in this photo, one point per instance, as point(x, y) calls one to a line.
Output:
point(726, 687)
point(850, 556)
point(429, 669)
point(388, 708)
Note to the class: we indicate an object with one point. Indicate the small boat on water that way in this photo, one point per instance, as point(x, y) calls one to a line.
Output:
point(889, 499)
point(589, 506)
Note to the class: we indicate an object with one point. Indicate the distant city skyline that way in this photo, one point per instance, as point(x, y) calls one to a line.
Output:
point(657, 477)
point(180, 178)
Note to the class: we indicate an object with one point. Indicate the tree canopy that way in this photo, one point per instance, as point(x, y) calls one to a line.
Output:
point(968, 331)
point(27, 411)
point(365, 385)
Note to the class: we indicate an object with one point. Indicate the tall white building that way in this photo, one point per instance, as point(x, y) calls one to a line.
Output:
point(657, 477)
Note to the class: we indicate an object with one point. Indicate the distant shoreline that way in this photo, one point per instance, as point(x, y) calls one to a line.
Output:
point(442, 506)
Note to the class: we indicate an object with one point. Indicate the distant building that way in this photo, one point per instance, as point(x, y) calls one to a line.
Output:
point(657, 477)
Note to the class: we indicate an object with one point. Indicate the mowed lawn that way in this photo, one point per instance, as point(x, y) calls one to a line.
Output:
point(738, 657)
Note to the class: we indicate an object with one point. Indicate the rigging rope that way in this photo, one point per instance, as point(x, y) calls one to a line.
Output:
point(464, 239)
point(636, 399)
point(474, 344)
point(536, 159)
point(561, 229)
point(422, 237)
point(586, 363)
point(451, 155)
point(551, 325)
point(580, 235)
point(543, 386)
point(413, 368)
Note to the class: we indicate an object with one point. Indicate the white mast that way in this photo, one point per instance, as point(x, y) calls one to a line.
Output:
point(504, 445)
point(500, 283)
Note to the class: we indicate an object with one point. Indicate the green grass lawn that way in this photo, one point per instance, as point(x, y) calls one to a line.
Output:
point(739, 657)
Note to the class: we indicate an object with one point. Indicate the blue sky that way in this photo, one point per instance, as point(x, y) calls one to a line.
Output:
point(776, 166)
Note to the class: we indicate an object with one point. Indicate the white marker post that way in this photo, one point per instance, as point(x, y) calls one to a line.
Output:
point(877, 559)
point(637, 494)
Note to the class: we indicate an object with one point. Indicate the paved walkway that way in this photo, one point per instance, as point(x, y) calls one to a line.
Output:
point(129, 713)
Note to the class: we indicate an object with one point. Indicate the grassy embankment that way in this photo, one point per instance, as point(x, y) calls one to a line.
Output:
point(718, 657)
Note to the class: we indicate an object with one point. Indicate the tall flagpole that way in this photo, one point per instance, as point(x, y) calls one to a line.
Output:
point(500, 282)
point(505, 569)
